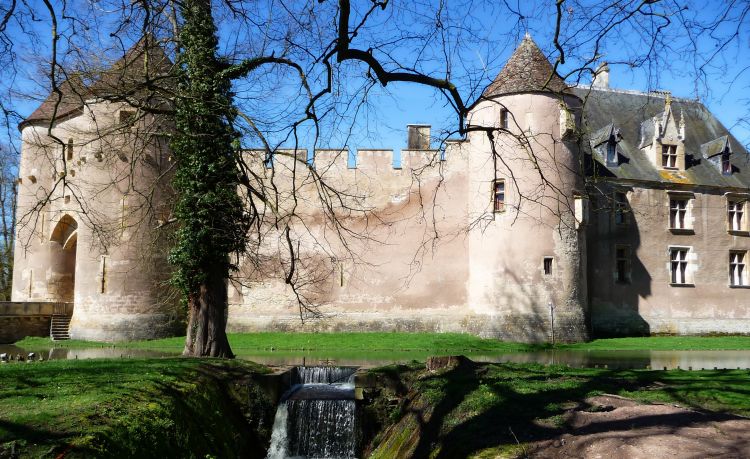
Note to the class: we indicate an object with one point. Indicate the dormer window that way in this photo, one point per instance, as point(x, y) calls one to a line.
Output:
point(611, 152)
point(726, 166)
point(669, 156)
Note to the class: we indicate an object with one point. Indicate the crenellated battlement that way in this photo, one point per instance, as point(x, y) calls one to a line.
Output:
point(365, 160)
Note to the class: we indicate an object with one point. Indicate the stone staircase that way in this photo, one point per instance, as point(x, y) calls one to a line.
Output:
point(60, 327)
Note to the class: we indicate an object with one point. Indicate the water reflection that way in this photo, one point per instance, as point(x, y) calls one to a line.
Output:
point(61, 353)
point(695, 360)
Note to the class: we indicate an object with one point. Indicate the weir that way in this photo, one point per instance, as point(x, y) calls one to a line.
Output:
point(316, 418)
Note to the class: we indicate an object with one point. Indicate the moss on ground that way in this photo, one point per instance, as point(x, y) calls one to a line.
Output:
point(498, 410)
point(132, 408)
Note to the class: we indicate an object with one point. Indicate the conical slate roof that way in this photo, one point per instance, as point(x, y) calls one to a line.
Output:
point(527, 70)
point(141, 70)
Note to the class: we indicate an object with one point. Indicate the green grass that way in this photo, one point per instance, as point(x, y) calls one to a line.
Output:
point(476, 410)
point(665, 343)
point(426, 342)
point(115, 408)
point(320, 341)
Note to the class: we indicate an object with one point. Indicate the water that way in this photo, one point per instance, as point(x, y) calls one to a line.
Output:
point(316, 418)
point(576, 358)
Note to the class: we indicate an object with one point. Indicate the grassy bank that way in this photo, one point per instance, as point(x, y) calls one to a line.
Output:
point(497, 410)
point(429, 342)
point(127, 408)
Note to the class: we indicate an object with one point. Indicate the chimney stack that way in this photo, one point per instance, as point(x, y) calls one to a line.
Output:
point(418, 136)
point(601, 77)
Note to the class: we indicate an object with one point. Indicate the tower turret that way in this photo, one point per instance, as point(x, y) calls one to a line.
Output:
point(528, 172)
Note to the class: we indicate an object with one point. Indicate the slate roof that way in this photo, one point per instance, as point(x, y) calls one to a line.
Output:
point(527, 70)
point(141, 70)
point(628, 111)
point(72, 95)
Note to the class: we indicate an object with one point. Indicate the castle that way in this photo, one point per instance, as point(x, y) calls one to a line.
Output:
point(564, 212)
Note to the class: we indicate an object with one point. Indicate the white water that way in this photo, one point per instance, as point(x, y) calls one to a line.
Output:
point(278, 449)
point(316, 418)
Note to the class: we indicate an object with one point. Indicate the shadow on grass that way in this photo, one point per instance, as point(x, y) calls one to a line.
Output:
point(520, 404)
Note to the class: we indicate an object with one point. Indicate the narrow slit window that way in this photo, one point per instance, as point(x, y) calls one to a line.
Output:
point(499, 195)
point(123, 212)
point(103, 283)
point(669, 156)
point(547, 262)
point(42, 221)
point(737, 271)
point(69, 150)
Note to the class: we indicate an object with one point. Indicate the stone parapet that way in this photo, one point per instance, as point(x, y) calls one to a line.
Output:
point(34, 308)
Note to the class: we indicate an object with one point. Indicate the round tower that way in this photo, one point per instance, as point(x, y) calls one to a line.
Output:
point(93, 191)
point(528, 260)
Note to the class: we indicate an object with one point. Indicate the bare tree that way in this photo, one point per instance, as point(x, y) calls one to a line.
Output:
point(302, 73)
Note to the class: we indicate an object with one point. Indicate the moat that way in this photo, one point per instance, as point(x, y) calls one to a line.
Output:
point(636, 359)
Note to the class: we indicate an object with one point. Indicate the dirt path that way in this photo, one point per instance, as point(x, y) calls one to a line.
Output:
point(619, 428)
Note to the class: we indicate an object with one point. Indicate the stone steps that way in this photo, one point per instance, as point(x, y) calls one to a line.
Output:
point(60, 327)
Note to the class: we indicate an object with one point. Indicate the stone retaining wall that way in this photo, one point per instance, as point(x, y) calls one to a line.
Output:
point(21, 319)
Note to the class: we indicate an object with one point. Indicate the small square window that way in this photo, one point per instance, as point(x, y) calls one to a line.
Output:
point(126, 117)
point(547, 265)
point(504, 121)
point(498, 189)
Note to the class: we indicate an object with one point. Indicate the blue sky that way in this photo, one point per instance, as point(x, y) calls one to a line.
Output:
point(485, 39)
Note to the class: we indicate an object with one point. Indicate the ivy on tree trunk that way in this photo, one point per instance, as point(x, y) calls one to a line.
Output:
point(209, 210)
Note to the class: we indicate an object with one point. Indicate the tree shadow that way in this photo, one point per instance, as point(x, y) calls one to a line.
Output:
point(530, 406)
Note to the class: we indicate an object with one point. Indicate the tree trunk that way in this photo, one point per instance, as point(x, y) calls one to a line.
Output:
point(206, 331)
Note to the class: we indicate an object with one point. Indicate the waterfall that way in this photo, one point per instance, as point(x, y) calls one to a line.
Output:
point(323, 375)
point(316, 418)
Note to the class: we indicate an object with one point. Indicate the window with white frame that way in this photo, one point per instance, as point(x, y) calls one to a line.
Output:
point(678, 265)
point(737, 271)
point(679, 212)
point(504, 122)
point(669, 156)
point(735, 214)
